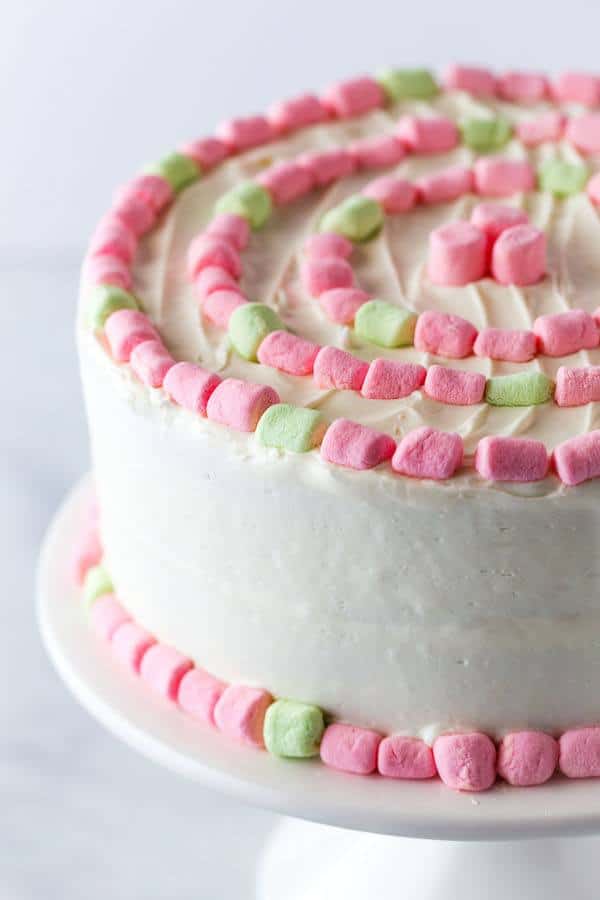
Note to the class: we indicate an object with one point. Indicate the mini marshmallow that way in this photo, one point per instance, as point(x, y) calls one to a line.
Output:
point(427, 453)
point(355, 446)
point(206, 152)
point(113, 238)
point(385, 324)
point(377, 153)
point(437, 134)
point(511, 459)
point(578, 459)
point(519, 255)
point(335, 368)
point(176, 168)
point(289, 115)
point(129, 643)
point(457, 254)
point(453, 386)
point(498, 176)
point(562, 333)
point(206, 250)
point(151, 189)
point(579, 753)
point(465, 762)
point(288, 427)
point(562, 178)
point(328, 244)
point(593, 189)
point(405, 757)
point(353, 97)
point(245, 133)
point(250, 200)
point(106, 615)
point(359, 218)
point(199, 693)
point(396, 195)
point(444, 334)
point(162, 668)
point(445, 186)
point(325, 274)
point(521, 389)
point(584, 133)
point(219, 306)
point(493, 219)
point(546, 127)
point(231, 228)
point(240, 713)
point(523, 87)
point(577, 87)
point(326, 166)
point(125, 329)
point(506, 344)
point(136, 214)
point(214, 278)
point(350, 749)
point(286, 181)
point(87, 552)
point(190, 386)
point(107, 270)
point(471, 79)
point(526, 758)
point(387, 379)
point(249, 325)
point(288, 353)
point(96, 582)
point(151, 361)
point(293, 730)
point(240, 404)
point(407, 84)
point(485, 135)
point(341, 304)
point(576, 387)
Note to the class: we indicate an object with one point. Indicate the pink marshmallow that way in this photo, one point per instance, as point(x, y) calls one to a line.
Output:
point(493, 219)
point(206, 250)
point(444, 335)
point(341, 304)
point(199, 693)
point(387, 379)
point(579, 753)
point(427, 453)
point(219, 305)
point(526, 758)
point(593, 189)
point(328, 244)
point(135, 213)
point(577, 87)
point(471, 79)
point(466, 762)
point(523, 87)
point(87, 552)
point(519, 256)
point(353, 97)
point(457, 254)
point(240, 713)
point(498, 176)
point(214, 278)
point(334, 368)
point(453, 386)
point(405, 757)
point(506, 344)
point(162, 668)
point(377, 152)
point(350, 749)
point(106, 615)
point(437, 134)
point(231, 228)
point(113, 238)
point(396, 195)
point(245, 133)
point(324, 274)
point(576, 387)
point(445, 186)
point(511, 459)
point(151, 361)
point(240, 404)
point(288, 353)
point(190, 386)
point(286, 182)
point(578, 459)
point(289, 115)
point(546, 127)
point(107, 270)
point(206, 152)
point(151, 189)
point(125, 329)
point(559, 334)
point(584, 132)
point(130, 643)
point(355, 446)
point(326, 166)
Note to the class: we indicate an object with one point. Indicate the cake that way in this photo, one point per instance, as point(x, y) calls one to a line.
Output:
point(341, 367)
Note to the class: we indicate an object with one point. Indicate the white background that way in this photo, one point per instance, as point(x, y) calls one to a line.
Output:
point(89, 91)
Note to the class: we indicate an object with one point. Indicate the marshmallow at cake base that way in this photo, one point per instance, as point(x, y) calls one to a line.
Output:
point(405, 757)
point(341, 304)
point(548, 126)
point(427, 453)
point(335, 368)
point(457, 254)
point(577, 87)
point(396, 195)
point(466, 762)
point(350, 749)
point(437, 134)
point(494, 218)
point(328, 245)
point(509, 345)
point(219, 306)
point(231, 228)
point(498, 176)
point(323, 274)
point(190, 386)
point(527, 758)
point(473, 80)
point(500, 458)
point(206, 152)
point(151, 361)
point(519, 256)
point(387, 379)
point(355, 446)
point(579, 753)
point(297, 112)
point(240, 713)
point(578, 459)
point(445, 186)
point(377, 153)
point(353, 97)
point(106, 615)
point(523, 87)
point(288, 353)
point(454, 386)
point(584, 133)
point(199, 693)
point(577, 386)
point(162, 668)
point(560, 334)
point(240, 404)
point(87, 552)
point(129, 643)
point(286, 182)
point(444, 334)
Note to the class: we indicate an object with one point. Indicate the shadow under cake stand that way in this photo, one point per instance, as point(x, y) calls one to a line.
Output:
point(366, 854)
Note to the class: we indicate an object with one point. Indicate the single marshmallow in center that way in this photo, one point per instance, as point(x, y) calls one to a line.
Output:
point(457, 254)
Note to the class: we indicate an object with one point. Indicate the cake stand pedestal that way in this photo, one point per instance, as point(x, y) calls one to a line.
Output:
point(367, 854)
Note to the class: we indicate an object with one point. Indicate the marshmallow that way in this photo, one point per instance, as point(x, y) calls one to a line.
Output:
point(162, 668)
point(584, 132)
point(359, 218)
point(405, 757)
point(288, 353)
point(519, 255)
point(546, 127)
point(498, 176)
point(350, 749)
point(125, 329)
point(353, 97)
point(465, 762)
point(445, 186)
point(151, 361)
point(523, 87)
point(485, 135)
point(286, 181)
point(219, 306)
point(231, 228)
point(437, 134)
point(129, 643)
point(249, 325)
point(135, 213)
point(577, 87)
point(327, 245)
point(457, 254)
point(214, 278)
point(190, 386)
point(96, 582)
point(511, 459)
point(395, 195)
point(245, 133)
point(561, 178)
point(325, 274)
point(427, 453)
point(292, 729)
point(151, 189)
point(289, 115)
point(206, 152)
point(107, 270)
point(106, 615)
point(593, 189)
point(341, 304)
point(505, 344)
point(579, 753)
point(526, 758)
point(176, 168)
point(444, 335)
point(377, 153)
point(288, 427)
point(326, 166)
point(249, 200)
point(113, 238)
point(453, 386)
point(385, 324)
point(240, 404)
point(199, 693)
point(578, 459)
point(355, 446)
point(387, 379)
point(87, 552)
point(562, 333)
point(576, 387)
point(522, 389)
point(335, 368)
point(206, 250)
point(240, 713)
point(471, 79)
point(493, 219)
point(407, 84)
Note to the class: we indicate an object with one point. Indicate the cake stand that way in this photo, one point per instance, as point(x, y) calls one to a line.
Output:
point(475, 843)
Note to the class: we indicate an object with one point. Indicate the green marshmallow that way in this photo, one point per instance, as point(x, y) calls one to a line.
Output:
point(358, 218)
point(290, 427)
point(248, 199)
point(177, 169)
point(103, 300)
point(407, 84)
point(249, 325)
point(385, 324)
point(293, 729)
point(561, 178)
point(485, 135)
point(522, 389)
point(97, 582)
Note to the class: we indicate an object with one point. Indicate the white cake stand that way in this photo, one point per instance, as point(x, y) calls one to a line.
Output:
point(308, 861)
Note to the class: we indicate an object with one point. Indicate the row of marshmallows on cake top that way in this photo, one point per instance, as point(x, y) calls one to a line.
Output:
point(298, 730)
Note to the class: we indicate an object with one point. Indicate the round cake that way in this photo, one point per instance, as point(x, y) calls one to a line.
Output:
point(341, 368)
